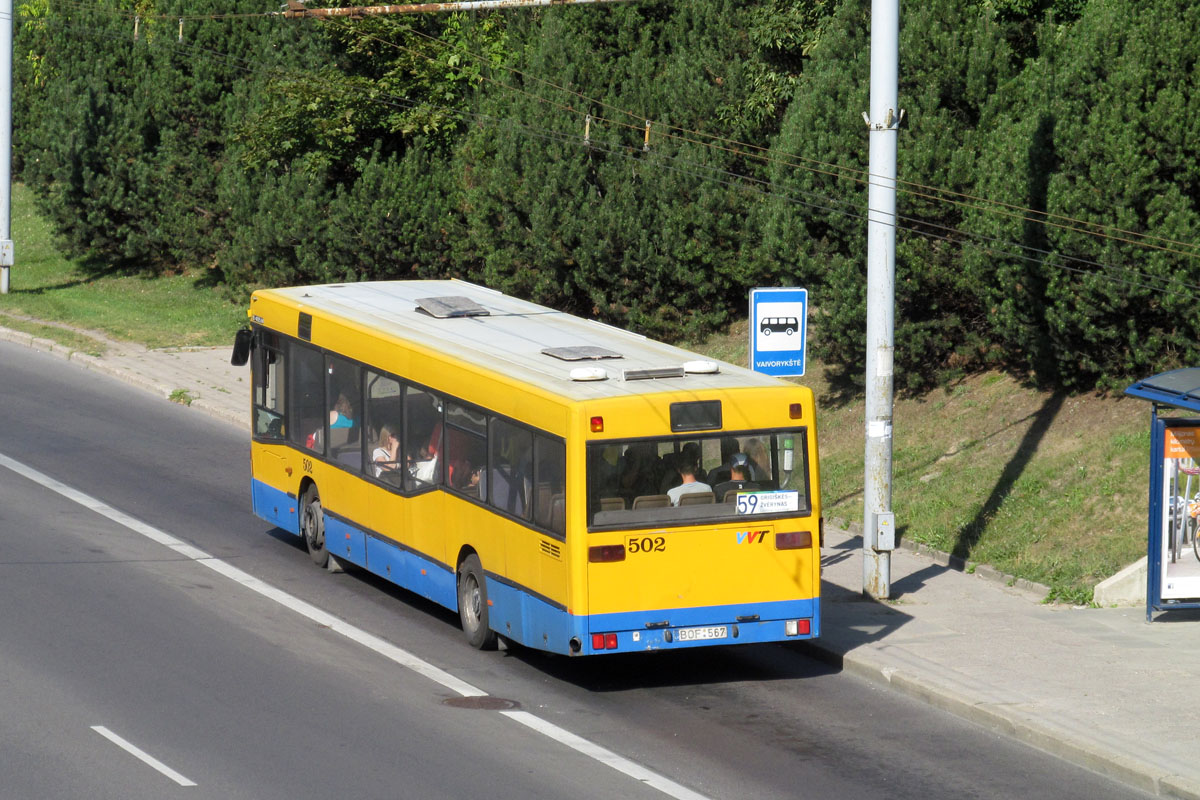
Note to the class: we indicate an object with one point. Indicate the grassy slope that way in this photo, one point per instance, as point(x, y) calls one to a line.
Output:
point(160, 312)
point(1047, 488)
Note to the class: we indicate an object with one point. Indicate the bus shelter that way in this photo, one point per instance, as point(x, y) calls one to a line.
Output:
point(1173, 552)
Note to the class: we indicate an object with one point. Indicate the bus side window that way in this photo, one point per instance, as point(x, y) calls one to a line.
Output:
point(307, 397)
point(510, 468)
point(382, 427)
point(344, 396)
point(423, 438)
point(466, 447)
point(549, 470)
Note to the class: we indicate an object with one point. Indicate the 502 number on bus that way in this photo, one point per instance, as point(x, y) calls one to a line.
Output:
point(645, 544)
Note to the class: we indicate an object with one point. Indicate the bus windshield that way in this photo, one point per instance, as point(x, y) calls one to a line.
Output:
point(680, 480)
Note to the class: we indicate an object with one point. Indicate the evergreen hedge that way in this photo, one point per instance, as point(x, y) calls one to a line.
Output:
point(1048, 205)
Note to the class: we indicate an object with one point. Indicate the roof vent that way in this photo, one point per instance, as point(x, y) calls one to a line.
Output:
point(701, 367)
point(652, 373)
point(588, 374)
point(584, 352)
point(447, 307)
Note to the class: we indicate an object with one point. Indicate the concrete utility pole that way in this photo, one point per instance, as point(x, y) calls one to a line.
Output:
point(6, 38)
point(878, 524)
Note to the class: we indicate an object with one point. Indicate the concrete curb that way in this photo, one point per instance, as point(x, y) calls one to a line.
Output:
point(1070, 746)
point(1037, 591)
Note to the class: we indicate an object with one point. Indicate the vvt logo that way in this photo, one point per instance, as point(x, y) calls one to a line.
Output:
point(750, 537)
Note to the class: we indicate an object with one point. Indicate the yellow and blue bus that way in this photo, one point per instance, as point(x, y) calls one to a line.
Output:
point(561, 483)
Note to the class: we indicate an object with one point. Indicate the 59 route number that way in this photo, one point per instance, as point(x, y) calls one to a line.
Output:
point(646, 544)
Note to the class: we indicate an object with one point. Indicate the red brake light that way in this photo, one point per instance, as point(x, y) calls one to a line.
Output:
point(802, 627)
point(597, 424)
point(793, 541)
point(604, 641)
point(604, 553)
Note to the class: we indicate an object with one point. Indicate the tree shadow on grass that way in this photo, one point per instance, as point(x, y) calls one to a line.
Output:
point(969, 534)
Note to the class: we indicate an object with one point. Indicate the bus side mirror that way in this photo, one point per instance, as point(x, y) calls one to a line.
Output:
point(241, 347)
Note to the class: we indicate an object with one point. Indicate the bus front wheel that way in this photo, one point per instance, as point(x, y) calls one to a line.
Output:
point(312, 525)
point(473, 604)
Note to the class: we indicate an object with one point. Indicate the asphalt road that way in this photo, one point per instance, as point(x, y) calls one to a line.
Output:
point(127, 667)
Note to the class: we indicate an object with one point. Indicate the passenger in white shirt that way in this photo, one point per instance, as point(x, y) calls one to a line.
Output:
point(687, 471)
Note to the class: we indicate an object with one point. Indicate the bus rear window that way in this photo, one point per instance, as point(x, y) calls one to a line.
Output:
point(681, 479)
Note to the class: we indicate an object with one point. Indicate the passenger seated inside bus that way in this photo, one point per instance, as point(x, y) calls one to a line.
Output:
point(340, 414)
point(688, 483)
point(688, 454)
point(639, 471)
point(473, 482)
point(739, 480)
point(720, 473)
point(386, 455)
point(760, 460)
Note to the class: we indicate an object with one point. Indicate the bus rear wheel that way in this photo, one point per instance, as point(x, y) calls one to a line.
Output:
point(312, 527)
point(473, 604)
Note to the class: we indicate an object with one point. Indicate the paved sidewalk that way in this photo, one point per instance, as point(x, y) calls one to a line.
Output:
point(1098, 687)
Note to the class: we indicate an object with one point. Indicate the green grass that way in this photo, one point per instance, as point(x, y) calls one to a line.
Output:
point(170, 311)
point(1050, 489)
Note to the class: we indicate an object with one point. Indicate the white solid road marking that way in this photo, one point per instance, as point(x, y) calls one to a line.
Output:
point(142, 755)
point(368, 640)
point(603, 755)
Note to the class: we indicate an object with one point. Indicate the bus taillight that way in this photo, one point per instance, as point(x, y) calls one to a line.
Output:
point(604, 553)
point(604, 641)
point(793, 541)
point(597, 424)
point(797, 627)
point(796, 411)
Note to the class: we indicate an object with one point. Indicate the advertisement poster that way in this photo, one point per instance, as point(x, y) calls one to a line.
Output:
point(1181, 513)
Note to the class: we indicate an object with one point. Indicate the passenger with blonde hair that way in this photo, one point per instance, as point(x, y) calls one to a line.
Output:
point(386, 455)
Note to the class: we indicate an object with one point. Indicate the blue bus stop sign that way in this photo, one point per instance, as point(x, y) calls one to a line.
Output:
point(778, 330)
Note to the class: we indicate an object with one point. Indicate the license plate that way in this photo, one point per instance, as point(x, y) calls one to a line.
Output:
point(702, 634)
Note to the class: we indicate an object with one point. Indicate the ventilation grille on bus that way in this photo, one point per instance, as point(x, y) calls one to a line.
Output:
point(551, 549)
point(652, 373)
point(446, 307)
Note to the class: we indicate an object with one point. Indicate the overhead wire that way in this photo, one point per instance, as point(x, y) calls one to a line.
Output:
point(916, 189)
point(829, 204)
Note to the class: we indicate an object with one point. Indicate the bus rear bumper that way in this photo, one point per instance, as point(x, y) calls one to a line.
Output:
point(699, 627)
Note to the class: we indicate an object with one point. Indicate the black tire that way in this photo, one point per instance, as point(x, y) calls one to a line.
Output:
point(473, 604)
point(312, 527)
point(1196, 539)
